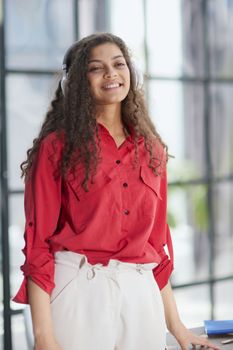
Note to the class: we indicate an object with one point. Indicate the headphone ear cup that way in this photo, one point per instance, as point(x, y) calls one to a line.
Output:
point(138, 76)
point(63, 84)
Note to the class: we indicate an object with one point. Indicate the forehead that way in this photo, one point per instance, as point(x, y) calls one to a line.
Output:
point(105, 51)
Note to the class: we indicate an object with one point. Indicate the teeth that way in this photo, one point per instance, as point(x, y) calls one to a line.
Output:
point(111, 86)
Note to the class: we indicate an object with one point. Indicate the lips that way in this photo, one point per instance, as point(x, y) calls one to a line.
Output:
point(109, 86)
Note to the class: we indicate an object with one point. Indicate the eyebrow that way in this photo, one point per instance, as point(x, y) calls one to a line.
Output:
point(113, 58)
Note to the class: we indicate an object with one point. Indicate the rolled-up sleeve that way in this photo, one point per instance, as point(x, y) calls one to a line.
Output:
point(161, 237)
point(163, 271)
point(42, 203)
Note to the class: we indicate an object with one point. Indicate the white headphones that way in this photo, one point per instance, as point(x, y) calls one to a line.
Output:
point(64, 78)
point(138, 74)
point(65, 68)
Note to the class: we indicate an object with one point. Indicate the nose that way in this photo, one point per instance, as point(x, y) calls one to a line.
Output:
point(110, 72)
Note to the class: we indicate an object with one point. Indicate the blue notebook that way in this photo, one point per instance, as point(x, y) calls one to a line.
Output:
point(218, 327)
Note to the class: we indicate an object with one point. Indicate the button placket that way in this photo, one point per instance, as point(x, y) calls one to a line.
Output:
point(123, 172)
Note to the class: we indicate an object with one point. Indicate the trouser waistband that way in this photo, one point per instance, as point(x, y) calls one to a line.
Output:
point(80, 261)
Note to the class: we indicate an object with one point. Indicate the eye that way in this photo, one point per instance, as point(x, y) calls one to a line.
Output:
point(95, 69)
point(120, 64)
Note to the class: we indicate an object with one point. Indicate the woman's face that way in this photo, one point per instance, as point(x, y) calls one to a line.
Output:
point(108, 74)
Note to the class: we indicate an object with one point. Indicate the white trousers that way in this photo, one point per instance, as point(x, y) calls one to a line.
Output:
point(113, 307)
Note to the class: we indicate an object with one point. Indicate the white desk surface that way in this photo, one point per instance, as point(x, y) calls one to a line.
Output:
point(172, 344)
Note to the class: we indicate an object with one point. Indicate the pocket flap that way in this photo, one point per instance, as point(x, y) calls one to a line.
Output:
point(151, 180)
point(99, 181)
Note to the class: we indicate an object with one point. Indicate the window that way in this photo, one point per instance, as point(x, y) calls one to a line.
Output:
point(185, 51)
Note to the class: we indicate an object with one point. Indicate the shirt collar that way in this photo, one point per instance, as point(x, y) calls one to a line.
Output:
point(104, 131)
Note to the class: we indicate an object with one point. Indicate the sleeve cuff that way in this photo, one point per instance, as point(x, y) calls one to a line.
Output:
point(41, 273)
point(22, 295)
point(163, 272)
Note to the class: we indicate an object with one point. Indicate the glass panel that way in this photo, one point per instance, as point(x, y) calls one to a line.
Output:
point(222, 129)
point(46, 29)
point(86, 17)
point(193, 305)
point(130, 29)
point(174, 37)
point(159, 44)
point(188, 220)
point(31, 96)
point(223, 299)
point(223, 220)
point(177, 111)
point(1, 320)
point(16, 242)
point(18, 333)
point(93, 16)
point(220, 14)
point(192, 38)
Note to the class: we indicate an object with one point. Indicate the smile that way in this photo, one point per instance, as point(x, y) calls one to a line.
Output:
point(111, 86)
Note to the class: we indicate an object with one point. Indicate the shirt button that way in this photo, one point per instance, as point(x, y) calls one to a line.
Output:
point(118, 161)
point(126, 212)
point(30, 223)
point(125, 184)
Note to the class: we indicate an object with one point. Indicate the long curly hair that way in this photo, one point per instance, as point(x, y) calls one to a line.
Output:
point(72, 114)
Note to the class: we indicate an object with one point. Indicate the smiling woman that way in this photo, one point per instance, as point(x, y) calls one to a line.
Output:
point(97, 245)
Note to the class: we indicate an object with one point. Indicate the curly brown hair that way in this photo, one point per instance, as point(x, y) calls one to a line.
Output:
point(73, 114)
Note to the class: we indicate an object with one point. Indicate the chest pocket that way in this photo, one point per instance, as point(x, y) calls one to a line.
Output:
point(150, 180)
point(99, 182)
point(151, 188)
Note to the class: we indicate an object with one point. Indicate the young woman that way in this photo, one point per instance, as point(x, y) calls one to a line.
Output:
point(96, 273)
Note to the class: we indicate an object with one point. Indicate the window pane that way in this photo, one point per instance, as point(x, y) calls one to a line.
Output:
point(188, 220)
point(223, 220)
point(46, 29)
point(18, 333)
point(223, 299)
point(175, 37)
point(16, 241)
point(93, 16)
point(220, 14)
point(177, 111)
point(163, 20)
point(192, 38)
point(193, 304)
point(222, 129)
point(28, 98)
point(1, 318)
point(130, 29)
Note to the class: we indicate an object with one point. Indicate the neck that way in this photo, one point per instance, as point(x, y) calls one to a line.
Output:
point(110, 117)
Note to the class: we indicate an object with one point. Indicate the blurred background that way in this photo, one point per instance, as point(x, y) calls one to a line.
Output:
point(184, 48)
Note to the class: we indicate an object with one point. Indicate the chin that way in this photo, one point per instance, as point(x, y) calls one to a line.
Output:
point(109, 101)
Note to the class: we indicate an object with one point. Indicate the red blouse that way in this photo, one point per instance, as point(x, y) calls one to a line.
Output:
point(123, 216)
